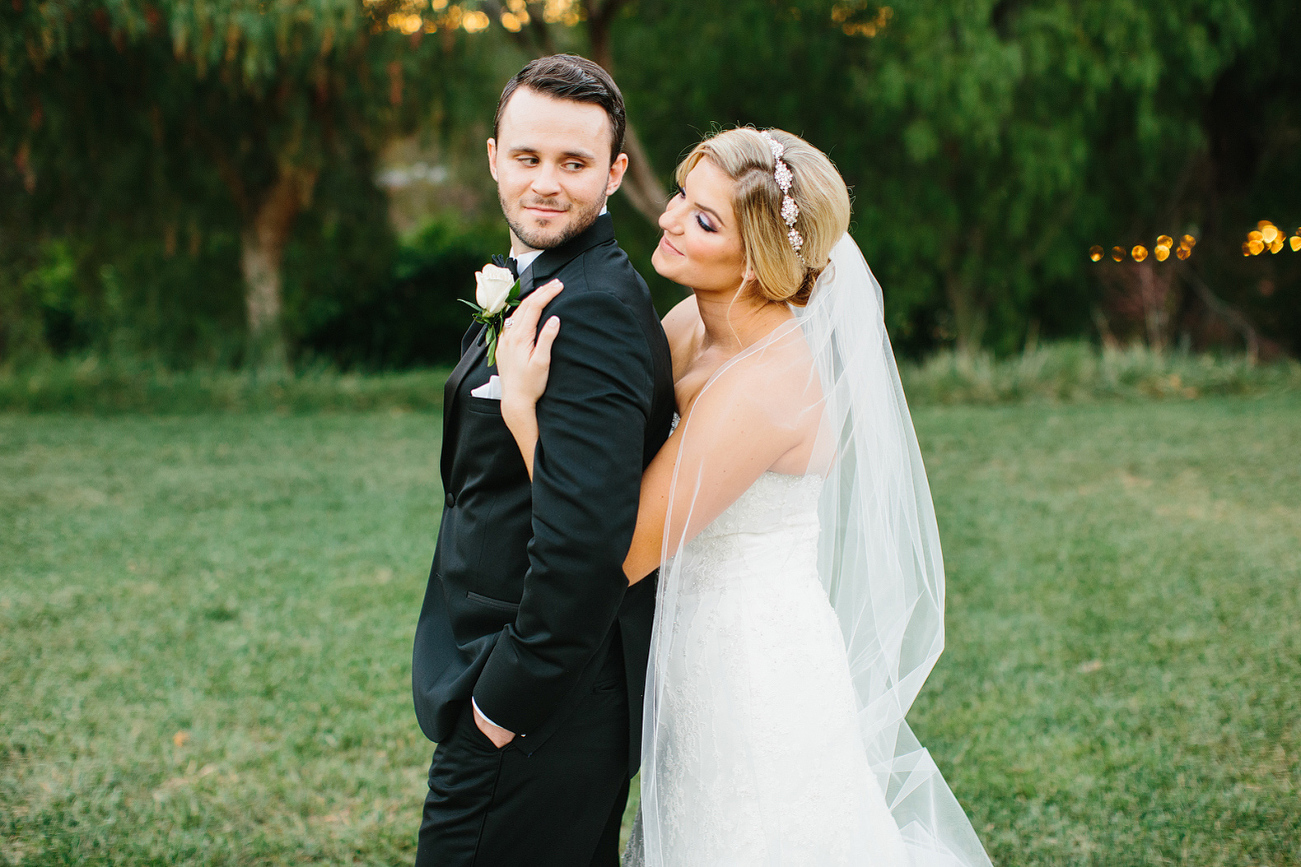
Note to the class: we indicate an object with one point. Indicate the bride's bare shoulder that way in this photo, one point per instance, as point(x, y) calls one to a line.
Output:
point(683, 329)
point(683, 321)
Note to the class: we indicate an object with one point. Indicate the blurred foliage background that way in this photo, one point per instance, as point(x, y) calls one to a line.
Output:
point(206, 612)
point(262, 183)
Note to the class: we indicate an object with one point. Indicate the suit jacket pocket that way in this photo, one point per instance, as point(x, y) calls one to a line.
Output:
point(483, 405)
point(499, 604)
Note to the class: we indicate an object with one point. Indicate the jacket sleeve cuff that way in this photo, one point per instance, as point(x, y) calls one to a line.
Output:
point(487, 718)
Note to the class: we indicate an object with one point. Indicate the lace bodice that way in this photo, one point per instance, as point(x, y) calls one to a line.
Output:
point(777, 515)
point(775, 503)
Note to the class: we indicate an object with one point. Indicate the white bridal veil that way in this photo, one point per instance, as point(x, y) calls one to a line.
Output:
point(878, 559)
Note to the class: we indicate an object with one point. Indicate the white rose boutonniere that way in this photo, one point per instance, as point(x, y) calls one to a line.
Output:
point(496, 291)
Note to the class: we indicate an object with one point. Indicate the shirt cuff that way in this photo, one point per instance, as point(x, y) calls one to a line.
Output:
point(481, 713)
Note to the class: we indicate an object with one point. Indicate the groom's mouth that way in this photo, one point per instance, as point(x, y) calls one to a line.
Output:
point(544, 212)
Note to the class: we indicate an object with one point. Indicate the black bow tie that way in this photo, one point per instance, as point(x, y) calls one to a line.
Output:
point(502, 262)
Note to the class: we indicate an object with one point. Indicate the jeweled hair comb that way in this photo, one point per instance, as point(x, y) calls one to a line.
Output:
point(790, 210)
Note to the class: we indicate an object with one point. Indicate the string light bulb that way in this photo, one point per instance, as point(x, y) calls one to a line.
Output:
point(1164, 247)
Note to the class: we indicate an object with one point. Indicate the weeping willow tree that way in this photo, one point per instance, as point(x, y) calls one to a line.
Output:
point(176, 114)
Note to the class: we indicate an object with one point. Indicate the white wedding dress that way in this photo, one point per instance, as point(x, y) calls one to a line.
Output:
point(759, 722)
point(793, 631)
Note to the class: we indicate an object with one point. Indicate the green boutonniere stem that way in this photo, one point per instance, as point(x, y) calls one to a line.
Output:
point(493, 321)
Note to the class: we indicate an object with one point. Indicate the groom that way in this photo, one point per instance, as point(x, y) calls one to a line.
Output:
point(530, 654)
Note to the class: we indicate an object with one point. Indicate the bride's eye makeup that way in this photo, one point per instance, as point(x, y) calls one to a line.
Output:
point(701, 220)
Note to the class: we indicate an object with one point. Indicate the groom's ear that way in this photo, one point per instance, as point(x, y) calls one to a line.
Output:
point(617, 170)
point(492, 157)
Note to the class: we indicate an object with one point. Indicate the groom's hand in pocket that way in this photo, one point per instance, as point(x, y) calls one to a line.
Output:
point(495, 733)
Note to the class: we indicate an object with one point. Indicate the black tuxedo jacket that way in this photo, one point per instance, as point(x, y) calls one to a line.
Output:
point(527, 594)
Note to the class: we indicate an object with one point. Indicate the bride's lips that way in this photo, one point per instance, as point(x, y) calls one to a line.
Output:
point(664, 242)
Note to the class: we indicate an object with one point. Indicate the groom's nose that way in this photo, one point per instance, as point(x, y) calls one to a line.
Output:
point(546, 180)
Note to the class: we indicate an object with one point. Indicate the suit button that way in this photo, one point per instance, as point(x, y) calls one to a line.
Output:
point(451, 499)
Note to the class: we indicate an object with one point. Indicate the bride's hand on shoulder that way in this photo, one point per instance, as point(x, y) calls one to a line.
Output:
point(524, 362)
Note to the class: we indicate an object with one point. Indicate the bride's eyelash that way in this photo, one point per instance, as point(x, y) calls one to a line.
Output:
point(700, 220)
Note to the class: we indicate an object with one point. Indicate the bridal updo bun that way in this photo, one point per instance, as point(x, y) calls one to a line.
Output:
point(746, 157)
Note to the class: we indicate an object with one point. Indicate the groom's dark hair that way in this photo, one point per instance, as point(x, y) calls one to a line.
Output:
point(568, 76)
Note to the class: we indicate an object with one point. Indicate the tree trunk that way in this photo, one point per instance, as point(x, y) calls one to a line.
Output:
point(960, 285)
point(262, 242)
point(640, 185)
point(968, 314)
point(1154, 294)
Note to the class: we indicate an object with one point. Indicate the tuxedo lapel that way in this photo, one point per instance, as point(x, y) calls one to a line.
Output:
point(471, 334)
point(469, 358)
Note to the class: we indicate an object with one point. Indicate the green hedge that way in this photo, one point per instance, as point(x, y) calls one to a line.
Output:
point(1059, 373)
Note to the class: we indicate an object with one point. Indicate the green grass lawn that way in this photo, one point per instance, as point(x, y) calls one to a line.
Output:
point(205, 627)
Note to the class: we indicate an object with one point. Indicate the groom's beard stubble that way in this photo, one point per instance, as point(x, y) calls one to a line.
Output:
point(581, 218)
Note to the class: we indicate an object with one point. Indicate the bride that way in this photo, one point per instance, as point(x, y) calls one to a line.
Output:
point(800, 599)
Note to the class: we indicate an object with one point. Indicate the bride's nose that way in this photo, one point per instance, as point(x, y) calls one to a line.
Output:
point(668, 221)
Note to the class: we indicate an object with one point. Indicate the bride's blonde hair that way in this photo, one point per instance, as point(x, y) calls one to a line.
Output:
point(746, 157)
